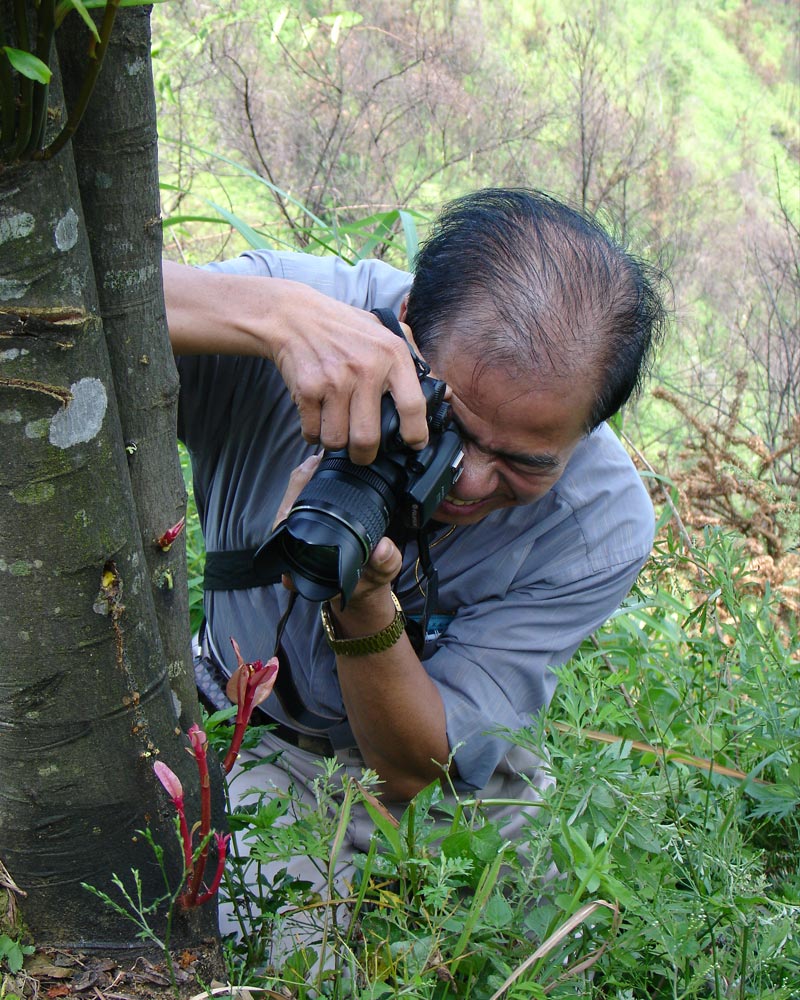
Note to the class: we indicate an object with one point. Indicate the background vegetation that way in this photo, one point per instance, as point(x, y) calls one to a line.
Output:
point(675, 734)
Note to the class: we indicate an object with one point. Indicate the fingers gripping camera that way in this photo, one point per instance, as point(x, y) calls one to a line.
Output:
point(345, 509)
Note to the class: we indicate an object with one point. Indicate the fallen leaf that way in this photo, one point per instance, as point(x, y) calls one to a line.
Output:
point(58, 991)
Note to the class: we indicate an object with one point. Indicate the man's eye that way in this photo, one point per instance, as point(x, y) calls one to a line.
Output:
point(531, 471)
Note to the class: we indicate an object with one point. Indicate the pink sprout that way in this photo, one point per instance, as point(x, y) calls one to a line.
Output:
point(171, 782)
point(174, 789)
point(251, 683)
point(222, 852)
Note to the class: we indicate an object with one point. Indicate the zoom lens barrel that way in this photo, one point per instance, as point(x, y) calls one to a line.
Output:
point(336, 522)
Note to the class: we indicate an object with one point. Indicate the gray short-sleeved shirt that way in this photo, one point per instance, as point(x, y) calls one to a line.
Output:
point(518, 591)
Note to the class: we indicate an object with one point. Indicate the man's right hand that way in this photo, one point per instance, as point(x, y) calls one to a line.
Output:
point(337, 361)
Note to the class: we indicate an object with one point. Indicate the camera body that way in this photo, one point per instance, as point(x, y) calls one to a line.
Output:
point(345, 509)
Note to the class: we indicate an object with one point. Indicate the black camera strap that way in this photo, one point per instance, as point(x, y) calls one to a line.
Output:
point(391, 322)
point(431, 576)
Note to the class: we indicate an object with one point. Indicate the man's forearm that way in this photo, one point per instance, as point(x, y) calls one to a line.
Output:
point(394, 708)
point(335, 359)
point(215, 313)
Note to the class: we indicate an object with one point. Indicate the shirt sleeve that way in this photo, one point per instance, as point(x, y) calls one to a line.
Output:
point(214, 389)
point(368, 284)
point(546, 585)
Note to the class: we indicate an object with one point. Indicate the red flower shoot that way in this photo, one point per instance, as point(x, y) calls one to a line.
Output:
point(194, 868)
point(169, 536)
point(222, 852)
point(250, 684)
point(199, 741)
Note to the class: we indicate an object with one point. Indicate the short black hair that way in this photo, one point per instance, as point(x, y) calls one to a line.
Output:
point(533, 285)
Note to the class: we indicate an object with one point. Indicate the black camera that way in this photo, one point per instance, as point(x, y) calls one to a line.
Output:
point(345, 509)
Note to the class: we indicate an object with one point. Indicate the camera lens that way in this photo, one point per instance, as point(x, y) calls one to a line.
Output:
point(345, 509)
point(320, 552)
point(335, 523)
point(315, 559)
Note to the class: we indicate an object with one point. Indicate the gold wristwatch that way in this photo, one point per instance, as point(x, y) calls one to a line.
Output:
point(378, 642)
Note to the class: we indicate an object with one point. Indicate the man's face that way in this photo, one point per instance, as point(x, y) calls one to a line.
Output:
point(517, 438)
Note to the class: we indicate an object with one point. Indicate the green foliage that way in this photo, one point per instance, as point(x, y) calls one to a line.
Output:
point(27, 64)
point(682, 103)
point(673, 823)
point(352, 241)
point(705, 858)
point(25, 77)
point(195, 548)
point(13, 952)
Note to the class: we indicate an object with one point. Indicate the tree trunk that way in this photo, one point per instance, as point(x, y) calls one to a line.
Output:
point(85, 700)
point(116, 156)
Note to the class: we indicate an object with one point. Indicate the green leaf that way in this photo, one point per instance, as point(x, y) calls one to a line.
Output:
point(12, 953)
point(28, 65)
point(216, 719)
point(497, 912)
point(386, 827)
point(344, 19)
point(427, 798)
point(383, 229)
point(67, 5)
point(578, 845)
point(457, 845)
point(84, 6)
point(177, 220)
point(265, 818)
point(411, 235)
point(280, 20)
point(255, 239)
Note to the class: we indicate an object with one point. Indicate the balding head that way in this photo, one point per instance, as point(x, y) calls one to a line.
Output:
point(527, 284)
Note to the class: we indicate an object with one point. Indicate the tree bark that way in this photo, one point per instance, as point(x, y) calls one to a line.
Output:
point(85, 700)
point(116, 155)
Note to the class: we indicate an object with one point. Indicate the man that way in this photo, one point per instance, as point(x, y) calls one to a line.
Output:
point(542, 327)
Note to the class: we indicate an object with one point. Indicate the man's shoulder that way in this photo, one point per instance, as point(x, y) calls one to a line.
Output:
point(367, 284)
point(608, 500)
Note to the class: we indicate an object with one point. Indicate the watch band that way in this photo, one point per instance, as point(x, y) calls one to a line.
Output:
point(378, 642)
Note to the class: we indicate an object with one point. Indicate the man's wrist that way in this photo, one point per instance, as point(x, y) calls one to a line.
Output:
point(364, 644)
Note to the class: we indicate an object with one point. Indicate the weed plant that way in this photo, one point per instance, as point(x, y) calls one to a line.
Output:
point(673, 823)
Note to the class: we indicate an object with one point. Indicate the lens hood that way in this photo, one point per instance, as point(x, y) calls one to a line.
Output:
point(323, 553)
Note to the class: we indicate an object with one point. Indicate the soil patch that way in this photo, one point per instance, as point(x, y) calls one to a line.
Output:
point(52, 974)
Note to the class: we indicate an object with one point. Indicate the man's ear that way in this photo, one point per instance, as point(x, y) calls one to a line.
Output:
point(406, 328)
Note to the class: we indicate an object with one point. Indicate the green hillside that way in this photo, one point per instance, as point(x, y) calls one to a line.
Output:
point(676, 122)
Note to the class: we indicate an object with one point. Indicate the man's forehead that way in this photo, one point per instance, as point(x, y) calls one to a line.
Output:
point(528, 423)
